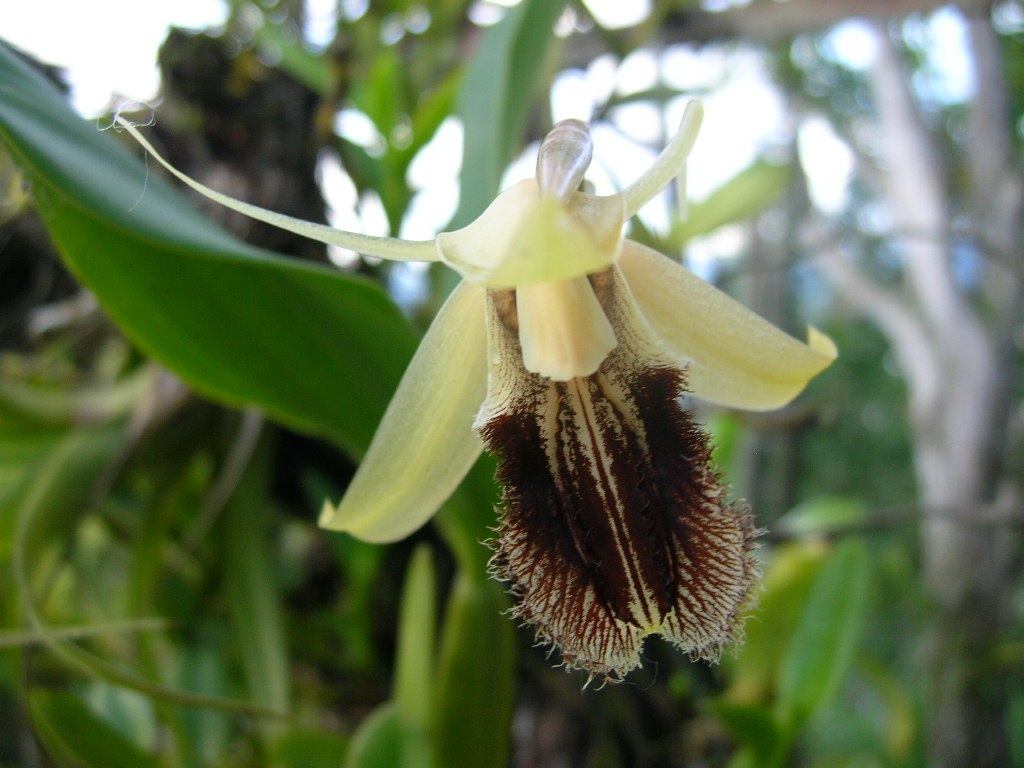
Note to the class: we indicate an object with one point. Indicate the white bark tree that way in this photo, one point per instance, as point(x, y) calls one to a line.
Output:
point(956, 353)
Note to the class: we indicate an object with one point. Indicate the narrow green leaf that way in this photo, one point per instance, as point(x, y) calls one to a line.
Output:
point(43, 511)
point(310, 69)
point(58, 489)
point(475, 689)
point(73, 735)
point(791, 571)
point(310, 749)
point(754, 726)
point(204, 668)
point(317, 349)
point(396, 734)
point(822, 647)
point(15, 638)
point(60, 404)
point(822, 515)
point(746, 194)
point(254, 591)
point(387, 740)
point(360, 564)
point(902, 719)
point(501, 82)
point(430, 111)
point(414, 662)
point(468, 518)
point(381, 95)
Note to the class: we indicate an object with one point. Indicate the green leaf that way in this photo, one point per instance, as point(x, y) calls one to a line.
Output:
point(360, 564)
point(73, 735)
point(822, 515)
point(309, 749)
point(406, 125)
point(468, 518)
point(790, 574)
point(204, 668)
point(57, 489)
point(43, 511)
point(387, 740)
point(414, 663)
point(16, 638)
point(381, 95)
point(475, 689)
point(901, 722)
point(317, 349)
point(431, 110)
point(253, 589)
point(822, 647)
point(494, 103)
point(58, 404)
point(281, 42)
point(754, 727)
point(746, 194)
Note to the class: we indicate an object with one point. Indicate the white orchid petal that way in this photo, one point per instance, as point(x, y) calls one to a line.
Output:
point(525, 237)
point(563, 330)
point(425, 444)
point(735, 357)
point(670, 163)
point(382, 247)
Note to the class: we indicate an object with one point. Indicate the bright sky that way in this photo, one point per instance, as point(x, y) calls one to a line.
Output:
point(117, 57)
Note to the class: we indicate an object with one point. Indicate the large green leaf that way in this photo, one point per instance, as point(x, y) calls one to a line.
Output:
point(317, 349)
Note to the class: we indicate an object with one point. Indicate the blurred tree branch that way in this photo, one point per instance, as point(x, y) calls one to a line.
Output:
point(767, 20)
point(762, 21)
point(960, 370)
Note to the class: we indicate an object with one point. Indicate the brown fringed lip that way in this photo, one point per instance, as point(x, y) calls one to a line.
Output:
point(614, 523)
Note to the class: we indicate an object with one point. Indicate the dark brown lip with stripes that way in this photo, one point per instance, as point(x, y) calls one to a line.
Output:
point(614, 524)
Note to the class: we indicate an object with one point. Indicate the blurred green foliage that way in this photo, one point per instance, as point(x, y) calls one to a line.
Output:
point(168, 600)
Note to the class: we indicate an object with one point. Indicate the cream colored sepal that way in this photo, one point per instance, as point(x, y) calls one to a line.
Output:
point(563, 330)
point(424, 446)
point(732, 355)
point(525, 237)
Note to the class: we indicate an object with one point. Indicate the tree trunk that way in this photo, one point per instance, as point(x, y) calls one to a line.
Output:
point(958, 375)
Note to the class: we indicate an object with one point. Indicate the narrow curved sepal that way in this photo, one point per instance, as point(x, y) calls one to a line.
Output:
point(425, 444)
point(371, 245)
point(670, 164)
point(732, 355)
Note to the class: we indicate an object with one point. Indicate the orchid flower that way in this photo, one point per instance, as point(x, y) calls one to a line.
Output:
point(564, 352)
